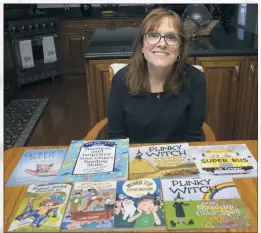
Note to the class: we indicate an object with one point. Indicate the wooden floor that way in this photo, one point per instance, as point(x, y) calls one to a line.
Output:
point(66, 116)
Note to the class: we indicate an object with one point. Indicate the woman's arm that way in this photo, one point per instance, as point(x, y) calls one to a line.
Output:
point(116, 124)
point(197, 109)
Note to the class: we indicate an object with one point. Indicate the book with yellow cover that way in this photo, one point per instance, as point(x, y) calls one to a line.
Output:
point(166, 160)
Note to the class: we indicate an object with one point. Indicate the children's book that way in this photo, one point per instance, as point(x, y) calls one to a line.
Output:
point(203, 203)
point(224, 160)
point(139, 205)
point(90, 207)
point(166, 160)
point(42, 208)
point(37, 166)
point(98, 160)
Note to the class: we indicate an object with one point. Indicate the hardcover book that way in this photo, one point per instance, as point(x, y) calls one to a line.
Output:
point(91, 206)
point(203, 203)
point(224, 160)
point(98, 160)
point(42, 208)
point(166, 160)
point(37, 166)
point(139, 205)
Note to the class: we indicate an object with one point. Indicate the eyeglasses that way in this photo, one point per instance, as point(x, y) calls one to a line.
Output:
point(154, 38)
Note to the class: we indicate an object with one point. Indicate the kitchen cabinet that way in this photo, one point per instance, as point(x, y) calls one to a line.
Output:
point(75, 35)
point(247, 122)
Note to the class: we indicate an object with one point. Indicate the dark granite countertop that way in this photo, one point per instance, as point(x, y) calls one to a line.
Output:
point(112, 44)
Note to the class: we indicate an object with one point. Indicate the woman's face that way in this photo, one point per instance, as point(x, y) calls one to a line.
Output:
point(161, 55)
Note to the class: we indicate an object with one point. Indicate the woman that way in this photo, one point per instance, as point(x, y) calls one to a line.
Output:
point(158, 97)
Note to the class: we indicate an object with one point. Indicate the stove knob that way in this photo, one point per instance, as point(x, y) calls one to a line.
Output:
point(14, 29)
point(45, 25)
point(31, 28)
point(53, 24)
point(24, 28)
point(37, 26)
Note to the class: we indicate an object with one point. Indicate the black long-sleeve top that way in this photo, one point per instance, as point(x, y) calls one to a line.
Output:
point(157, 117)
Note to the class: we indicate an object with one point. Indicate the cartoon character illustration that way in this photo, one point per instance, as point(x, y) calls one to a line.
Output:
point(42, 213)
point(109, 202)
point(118, 207)
point(178, 205)
point(43, 168)
point(91, 197)
point(58, 198)
point(147, 216)
point(29, 205)
point(128, 208)
point(76, 201)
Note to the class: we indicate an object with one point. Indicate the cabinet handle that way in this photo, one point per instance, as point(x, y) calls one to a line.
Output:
point(237, 75)
point(135, 24)
point(252, 76)
point(86, 25)
point(83, 38)
point(7, 87)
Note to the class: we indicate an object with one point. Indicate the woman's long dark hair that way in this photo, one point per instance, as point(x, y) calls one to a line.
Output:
point(137, 76)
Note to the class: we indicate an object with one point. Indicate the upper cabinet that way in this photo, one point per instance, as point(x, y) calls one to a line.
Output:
point(75, 35)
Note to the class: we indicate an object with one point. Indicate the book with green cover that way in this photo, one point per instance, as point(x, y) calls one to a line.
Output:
point(42, 208)
point(203, 203)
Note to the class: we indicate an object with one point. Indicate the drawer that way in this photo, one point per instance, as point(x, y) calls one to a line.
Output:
point(84, 25)
point(126, 23)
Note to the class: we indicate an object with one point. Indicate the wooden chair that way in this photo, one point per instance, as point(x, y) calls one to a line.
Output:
point(95, 131)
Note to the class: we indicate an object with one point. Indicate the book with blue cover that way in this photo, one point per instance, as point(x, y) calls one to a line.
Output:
point(97, 160)
point(37, 166)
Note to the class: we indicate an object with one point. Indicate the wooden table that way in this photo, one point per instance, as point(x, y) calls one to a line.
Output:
point(14, 195)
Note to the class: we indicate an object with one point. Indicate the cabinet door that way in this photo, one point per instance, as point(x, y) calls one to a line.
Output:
point(223, 76)
point(247, 123)
point(98, 86)
point(73, 51)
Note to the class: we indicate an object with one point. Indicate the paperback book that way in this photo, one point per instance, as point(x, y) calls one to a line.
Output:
point(98, 160)
point(224, 160)
point(203, 203)
point(166, 160)
point(90, 206)
point(42, 208)
point(37, 166)
point(139, 205)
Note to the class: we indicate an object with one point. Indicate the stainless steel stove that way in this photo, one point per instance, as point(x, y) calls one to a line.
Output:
point(31, 40)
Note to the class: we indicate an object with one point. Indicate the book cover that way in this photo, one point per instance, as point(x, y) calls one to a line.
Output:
point(166, 160)
point(139, 205)
point(98, 160)
point(90, 206)
point(203, 203)
point(37, 166)
point(224, 160)
point(42, 208)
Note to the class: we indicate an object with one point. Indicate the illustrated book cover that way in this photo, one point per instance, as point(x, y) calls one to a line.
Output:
point(166, 160)
point(224, 160)
point(90, 206)
point(42, 208)
point(203, 203)
point(98, 160)
point(37, 166)
point(139, 205)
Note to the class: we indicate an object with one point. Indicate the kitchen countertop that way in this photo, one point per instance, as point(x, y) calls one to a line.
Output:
point(113, 44)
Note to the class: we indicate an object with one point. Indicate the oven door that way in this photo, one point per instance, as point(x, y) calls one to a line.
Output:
point(40, 70)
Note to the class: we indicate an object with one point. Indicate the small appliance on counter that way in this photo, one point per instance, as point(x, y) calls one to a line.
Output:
point(86, 9)
point(109, 10)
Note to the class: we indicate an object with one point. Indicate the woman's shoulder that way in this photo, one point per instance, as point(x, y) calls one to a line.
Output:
point(194, 74)
point(119, 77)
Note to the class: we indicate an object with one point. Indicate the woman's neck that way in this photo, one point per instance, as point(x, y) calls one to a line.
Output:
point(157, 78)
